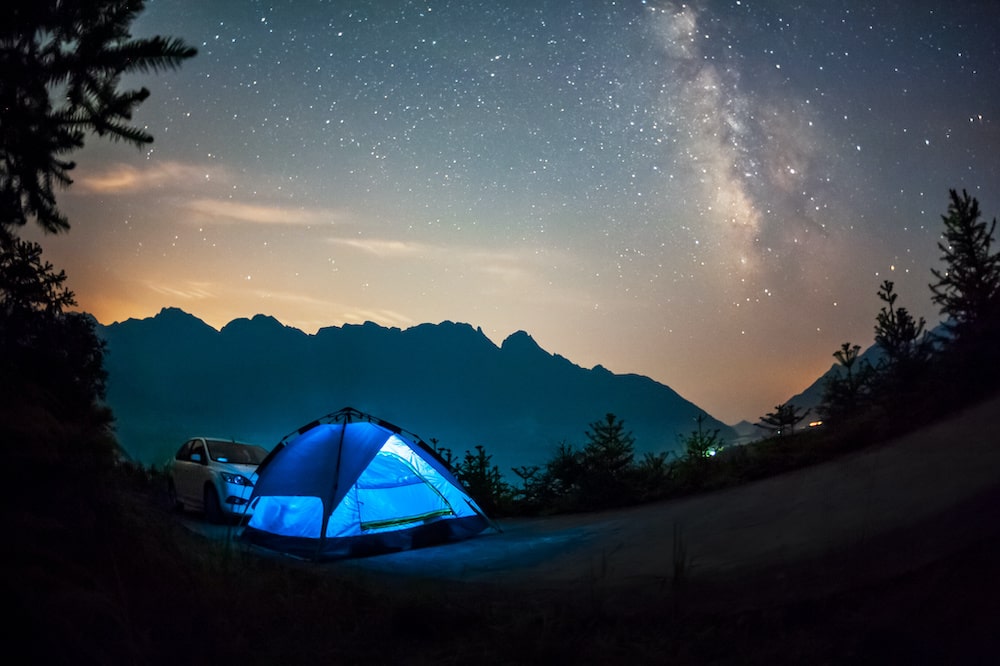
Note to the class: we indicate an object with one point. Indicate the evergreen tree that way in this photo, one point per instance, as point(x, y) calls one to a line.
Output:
point(482, 479)
point(610, 450)
point(967, 291)
point(607, 460)
point(691, 470)
point(906, 347)
point(563, 473)
point(41, 345)
point(900, 336)
point(701, 443)
point(782, 420)
point(846, 391)
point(61, 65)
point(530, 492)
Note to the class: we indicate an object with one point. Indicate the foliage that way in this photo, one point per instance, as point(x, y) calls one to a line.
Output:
point(531, 491)
point(967, 291)
point(844, 393)
point(62, 65)
point(701, 443)
point(482, 479)
point(900, 336)
point(601, 474)
point(607, 460)
point(699, 447)
point(920, 375)
point(562, 476)
point(610, 450)
point(43, 348)
point(906, 348)
point(783, 419)
point(651, 476)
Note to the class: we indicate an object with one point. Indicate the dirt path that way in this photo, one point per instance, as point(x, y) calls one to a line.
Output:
point(873, 514)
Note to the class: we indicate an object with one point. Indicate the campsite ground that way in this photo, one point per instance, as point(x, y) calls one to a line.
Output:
point(848, 523)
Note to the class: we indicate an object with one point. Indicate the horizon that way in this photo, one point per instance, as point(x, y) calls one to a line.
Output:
point(498, 343)
point(708, 195)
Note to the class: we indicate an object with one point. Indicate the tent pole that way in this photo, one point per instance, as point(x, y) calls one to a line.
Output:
point(492, 523)
point(328, 501)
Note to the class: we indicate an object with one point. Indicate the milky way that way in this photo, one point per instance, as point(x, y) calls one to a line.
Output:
point(706, 193)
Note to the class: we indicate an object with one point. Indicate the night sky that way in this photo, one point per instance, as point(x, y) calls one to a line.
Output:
point(709, 193)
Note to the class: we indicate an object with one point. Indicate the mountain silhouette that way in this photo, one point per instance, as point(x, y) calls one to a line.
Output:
point(812, 396)
point(173, 376)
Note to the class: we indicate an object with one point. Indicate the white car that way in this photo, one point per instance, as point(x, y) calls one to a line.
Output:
point(214, 476)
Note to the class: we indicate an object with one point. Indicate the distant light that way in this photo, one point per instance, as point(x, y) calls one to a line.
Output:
point(815, 424)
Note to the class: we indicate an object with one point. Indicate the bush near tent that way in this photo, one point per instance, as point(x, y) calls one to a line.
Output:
point(350, 484)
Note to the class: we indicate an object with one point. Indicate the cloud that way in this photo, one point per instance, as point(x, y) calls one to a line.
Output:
point(382, 317)
point(219, 211)
point(177, 178)
point(510, 266)
point(122, 178)
point(385, 248)
point(192, 291)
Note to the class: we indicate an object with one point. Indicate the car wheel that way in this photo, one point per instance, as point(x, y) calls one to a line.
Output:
point(175, 504)
point(213, 509)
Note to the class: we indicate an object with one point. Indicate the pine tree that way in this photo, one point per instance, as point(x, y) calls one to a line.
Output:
point(967, 291)
point(968, 287)
point(61, 65)
point(783, 419)
point(906, 346)
point(482, 479)
point(609, 449)
point(701, 443)
point(846, 391)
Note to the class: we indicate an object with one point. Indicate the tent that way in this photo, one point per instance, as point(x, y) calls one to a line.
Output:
point(349, 484)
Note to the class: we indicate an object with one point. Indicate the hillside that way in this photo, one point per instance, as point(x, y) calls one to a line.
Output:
point(173, 376)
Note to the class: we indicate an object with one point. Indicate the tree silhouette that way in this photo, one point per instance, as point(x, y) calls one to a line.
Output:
point(563, 473)
point(610, 450)
point(61, 65)
point(899, 335)
point(531, 491)
point(58, 353)
point(482, 479)
point(844, 393)
point(607, 459)
point(701, 443)
point(782, 420)
point(967, 291)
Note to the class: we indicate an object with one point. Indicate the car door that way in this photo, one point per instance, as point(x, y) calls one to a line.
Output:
point(191, 481)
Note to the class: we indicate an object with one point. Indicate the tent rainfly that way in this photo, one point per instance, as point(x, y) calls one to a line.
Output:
point(350, 484)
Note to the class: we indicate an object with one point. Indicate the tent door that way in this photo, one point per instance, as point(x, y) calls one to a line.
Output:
point(392, 494)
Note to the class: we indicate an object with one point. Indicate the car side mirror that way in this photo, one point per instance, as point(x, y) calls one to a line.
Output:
point(195, 457)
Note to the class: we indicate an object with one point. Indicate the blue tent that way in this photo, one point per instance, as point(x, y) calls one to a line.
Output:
point(350, 484)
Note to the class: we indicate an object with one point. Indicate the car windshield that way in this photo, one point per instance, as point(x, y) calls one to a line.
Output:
point(231, 452)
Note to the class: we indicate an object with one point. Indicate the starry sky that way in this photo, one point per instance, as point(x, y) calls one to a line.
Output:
point(706, 193)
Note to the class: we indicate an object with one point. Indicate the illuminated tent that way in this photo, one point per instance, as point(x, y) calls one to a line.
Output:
point(350, 484)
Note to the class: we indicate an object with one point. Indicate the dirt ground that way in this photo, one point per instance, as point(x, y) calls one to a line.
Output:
point(872, 515)
point(854, 521)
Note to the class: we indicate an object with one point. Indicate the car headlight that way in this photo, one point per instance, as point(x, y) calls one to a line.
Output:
point(236, 479)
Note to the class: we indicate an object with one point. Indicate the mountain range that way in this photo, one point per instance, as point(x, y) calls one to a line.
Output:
point(172, 376)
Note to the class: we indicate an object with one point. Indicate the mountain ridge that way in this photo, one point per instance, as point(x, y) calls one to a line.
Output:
point(172, 376)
